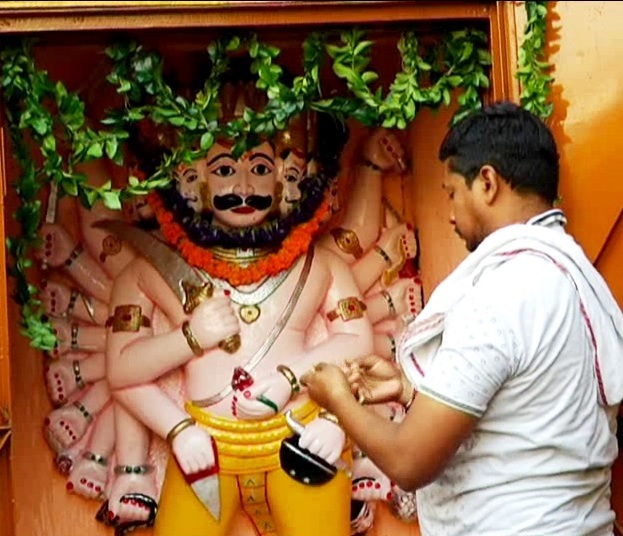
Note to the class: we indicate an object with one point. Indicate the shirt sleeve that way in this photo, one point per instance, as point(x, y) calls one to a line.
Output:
point(478, 353)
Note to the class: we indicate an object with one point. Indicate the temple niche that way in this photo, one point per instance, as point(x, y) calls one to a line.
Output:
point(207, 215)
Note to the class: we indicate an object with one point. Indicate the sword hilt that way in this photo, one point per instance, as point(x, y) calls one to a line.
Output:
point(194, 295)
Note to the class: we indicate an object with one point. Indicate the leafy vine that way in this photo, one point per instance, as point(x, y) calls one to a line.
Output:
point(42, 111)
point(533, 67)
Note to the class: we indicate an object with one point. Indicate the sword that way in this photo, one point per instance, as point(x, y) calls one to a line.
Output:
point(191, 289)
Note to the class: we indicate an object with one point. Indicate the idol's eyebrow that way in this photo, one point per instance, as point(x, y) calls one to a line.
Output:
point(262, 155)
point(219, 156)
point(189, 170)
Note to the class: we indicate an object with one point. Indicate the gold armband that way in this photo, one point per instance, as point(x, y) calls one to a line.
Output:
point(291, 377)
point(128, 318)
point(347, 241)
point(179, 428)
point(191, 340)
point(347, 309)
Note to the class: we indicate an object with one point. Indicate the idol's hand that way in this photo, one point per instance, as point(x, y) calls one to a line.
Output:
point(214, 320)
point(377, 380)
point(323, 438)
point(383, 150)
point(264, 399)
point(327, 385)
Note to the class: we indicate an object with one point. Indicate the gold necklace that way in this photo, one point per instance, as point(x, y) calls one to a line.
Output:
point(240, 256)
point(249, 301)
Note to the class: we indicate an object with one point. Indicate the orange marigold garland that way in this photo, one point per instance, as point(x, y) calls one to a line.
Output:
point(296, 244)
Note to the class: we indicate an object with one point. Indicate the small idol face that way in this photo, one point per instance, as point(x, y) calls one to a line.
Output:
point(189, 184)
point(293, 171)
point(241, 192)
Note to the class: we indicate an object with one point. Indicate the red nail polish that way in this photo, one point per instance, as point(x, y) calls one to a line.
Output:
point(69, 486)
point(227, 292)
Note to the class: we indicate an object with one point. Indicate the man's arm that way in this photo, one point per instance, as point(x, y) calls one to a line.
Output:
point(411, 453)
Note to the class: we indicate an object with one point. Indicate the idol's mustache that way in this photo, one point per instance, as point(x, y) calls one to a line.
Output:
point(229, 201)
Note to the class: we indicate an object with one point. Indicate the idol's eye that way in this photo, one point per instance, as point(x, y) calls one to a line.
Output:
point(261, 170)
point(191, 177)
point(292, 177)
point(224, 171)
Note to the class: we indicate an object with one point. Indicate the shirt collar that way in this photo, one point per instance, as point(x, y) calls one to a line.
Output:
point(549, 218)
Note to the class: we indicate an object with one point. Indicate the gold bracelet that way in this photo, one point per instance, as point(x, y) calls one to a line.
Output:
point(392, 346)
point(390, 302)
point(408, 404)
point(291, 377)
point(383, 254)
point(191, 340)
point(369, 164)
point(324, 414)
point(179, 428)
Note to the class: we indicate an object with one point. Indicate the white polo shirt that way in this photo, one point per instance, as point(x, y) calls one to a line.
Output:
point(516, 353)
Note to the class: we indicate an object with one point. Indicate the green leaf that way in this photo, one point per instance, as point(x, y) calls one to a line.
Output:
point(207, 140)
point(111, 200)
point(95, 150)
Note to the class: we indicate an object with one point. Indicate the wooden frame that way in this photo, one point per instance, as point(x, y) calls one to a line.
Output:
point(69, 18)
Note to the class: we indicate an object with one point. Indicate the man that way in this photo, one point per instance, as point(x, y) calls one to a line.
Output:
point(513, 371)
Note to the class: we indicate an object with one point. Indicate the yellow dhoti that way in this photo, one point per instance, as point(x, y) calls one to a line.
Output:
point(251, 479)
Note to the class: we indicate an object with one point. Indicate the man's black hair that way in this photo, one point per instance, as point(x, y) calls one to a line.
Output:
point(512, 140)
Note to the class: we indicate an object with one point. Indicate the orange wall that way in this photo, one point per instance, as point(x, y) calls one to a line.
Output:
point(585, 48)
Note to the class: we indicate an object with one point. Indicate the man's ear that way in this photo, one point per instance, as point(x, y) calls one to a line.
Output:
point(489, 183)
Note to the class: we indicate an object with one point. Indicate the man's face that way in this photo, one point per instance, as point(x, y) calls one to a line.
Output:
point(241, 192)
point(188, 183)
point(293, 171)
point(463, 214)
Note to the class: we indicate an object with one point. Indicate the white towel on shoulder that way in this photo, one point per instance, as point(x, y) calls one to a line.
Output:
point(421, 339)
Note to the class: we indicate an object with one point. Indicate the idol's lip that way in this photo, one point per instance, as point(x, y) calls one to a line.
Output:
point(243, 210)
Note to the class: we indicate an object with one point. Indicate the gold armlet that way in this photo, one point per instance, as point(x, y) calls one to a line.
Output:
point(179, 428)
point(347, 241)
point(191, 340)
point(291, 377)
point(128, 318)
point(347, 309)
point(324, 414)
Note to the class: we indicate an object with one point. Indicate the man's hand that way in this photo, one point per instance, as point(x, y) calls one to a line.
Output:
point(377, 380)
point(326, 384)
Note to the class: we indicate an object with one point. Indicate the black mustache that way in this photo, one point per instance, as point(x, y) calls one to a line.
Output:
point(258, 202)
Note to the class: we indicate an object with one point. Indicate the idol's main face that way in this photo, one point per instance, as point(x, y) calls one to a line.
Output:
point(241, 192)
